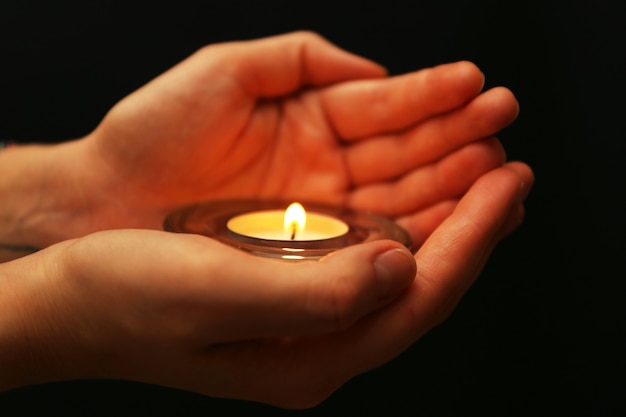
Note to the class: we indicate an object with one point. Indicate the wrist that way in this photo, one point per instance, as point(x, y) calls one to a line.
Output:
point(51, 193)
point(38, 188)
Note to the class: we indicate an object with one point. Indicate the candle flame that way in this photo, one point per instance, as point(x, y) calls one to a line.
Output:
point(295, 219)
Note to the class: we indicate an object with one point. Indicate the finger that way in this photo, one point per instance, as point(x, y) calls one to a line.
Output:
point(363, 108)
point(430, 184)
point(456, 250)
point(282, 64)
point(249, 297)
point(422, 224)
point(510, 222)
point(389, 156)
point(452, 257)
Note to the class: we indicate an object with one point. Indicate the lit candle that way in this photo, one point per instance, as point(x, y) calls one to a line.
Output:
point(264, 228)
point(293, 224)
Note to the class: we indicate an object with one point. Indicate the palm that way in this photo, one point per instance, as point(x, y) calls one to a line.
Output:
point(288, 151)
point(274, 148)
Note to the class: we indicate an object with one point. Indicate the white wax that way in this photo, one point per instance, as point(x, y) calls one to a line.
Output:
point(269, 224)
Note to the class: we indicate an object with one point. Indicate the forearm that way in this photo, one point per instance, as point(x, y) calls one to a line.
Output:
point(43, 198)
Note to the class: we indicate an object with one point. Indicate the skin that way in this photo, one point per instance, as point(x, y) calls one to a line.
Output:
point(290, 117)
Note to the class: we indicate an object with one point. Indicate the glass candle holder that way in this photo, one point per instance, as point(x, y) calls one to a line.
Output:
point(234, 222)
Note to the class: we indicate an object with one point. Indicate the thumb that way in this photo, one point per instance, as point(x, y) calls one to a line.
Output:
point(287, 299)
point(281, 64)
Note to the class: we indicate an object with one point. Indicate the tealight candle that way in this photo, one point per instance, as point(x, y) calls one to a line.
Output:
point(264, 228)
point(292, 224)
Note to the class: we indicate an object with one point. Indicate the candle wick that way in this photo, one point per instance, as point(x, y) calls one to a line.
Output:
point(294, 227)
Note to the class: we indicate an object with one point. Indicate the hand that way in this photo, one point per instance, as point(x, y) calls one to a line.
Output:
point(187, 312)
point(150, 305)
point(294, 117)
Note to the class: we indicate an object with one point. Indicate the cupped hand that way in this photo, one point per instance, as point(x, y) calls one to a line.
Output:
point(294, 117)
point(184, 311)
point(151, 306)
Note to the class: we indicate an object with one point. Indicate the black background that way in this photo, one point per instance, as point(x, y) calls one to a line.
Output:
point(543, 330)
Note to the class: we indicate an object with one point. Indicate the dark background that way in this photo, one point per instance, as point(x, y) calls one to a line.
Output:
point(543, 330)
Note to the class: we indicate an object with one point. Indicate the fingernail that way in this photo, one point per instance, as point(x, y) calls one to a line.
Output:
point(395, 269)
